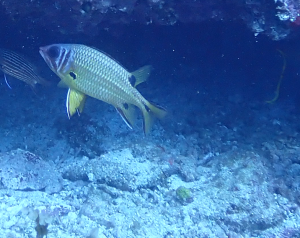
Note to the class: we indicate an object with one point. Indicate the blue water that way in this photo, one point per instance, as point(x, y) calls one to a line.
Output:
point(238, 154)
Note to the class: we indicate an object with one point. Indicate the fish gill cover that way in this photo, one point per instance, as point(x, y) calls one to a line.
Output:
point(223, 163)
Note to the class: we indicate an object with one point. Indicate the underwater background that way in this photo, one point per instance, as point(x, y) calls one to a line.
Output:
point(224, 162)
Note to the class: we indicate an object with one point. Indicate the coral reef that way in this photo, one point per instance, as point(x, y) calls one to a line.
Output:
point(89, 16)
point(222, 164)
point(184, 194)
point(23, 170)
point(228, 188)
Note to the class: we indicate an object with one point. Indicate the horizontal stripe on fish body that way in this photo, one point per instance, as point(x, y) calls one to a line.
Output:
point(19, 67)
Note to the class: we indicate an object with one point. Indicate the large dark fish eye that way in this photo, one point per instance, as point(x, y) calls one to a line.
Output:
point(53, 52)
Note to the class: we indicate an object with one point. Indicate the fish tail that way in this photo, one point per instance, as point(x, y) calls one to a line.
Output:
point(44, 82)
point(150, 112)
point(32, 85)
point(141, 74)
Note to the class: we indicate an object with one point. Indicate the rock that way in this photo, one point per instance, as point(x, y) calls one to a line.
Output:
point(118, 169)
point(273, 19)
point(22, 170)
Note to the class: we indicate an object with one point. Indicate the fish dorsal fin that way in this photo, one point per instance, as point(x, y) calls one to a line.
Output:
point(62, 84)
point(127, 112)
point(75, 102)
point(141, 74)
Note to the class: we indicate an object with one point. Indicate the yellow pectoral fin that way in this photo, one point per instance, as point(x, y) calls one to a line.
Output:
point(62, 84)
point(75, 102)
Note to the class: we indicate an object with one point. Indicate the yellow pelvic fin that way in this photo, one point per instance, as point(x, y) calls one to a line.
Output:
point(142, 74)
point(127, 112)
point(75, 102)
point(150, 112)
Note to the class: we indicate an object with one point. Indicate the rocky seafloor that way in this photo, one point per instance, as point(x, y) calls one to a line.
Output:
point(219, 165)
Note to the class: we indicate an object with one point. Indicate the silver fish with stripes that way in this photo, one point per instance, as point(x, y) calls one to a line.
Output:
point(88, 71)
point(17, 66)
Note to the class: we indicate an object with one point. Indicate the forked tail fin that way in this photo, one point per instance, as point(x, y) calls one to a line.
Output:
point(150, 112)
point(44, 82)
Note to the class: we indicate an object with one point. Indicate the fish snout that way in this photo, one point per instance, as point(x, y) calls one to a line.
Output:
point(43, 48)
point(59, 57)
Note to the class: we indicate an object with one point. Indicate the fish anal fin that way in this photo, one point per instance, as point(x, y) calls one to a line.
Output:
point(127, 112)
point(141, 74)
point(75, 101)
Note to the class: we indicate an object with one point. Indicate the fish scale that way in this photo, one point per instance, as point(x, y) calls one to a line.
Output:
point(109, 88)
point(87, 71)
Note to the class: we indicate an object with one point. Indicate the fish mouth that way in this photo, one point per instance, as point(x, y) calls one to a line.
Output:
point(42, 48)
point(43, 52)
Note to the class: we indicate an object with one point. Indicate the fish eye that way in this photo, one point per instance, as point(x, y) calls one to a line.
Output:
point(53, 52)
